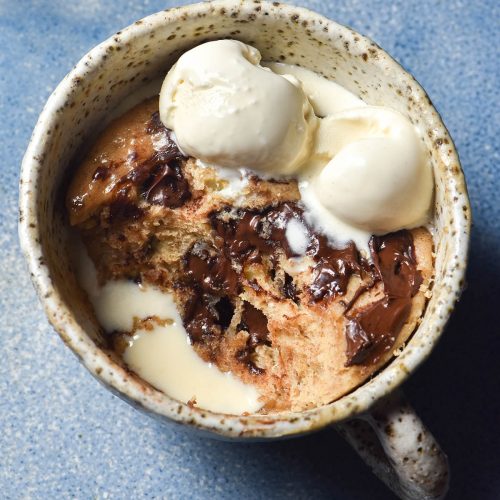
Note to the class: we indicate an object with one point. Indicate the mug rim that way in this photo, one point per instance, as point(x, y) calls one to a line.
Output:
point(156, 402)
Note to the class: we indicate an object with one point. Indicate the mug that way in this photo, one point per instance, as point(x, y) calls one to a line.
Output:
point(374, 418)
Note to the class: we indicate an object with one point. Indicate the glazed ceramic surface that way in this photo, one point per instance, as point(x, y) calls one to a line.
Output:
point(145, 50)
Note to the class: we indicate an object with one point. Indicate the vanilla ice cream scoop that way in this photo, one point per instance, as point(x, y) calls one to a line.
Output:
point(226, 109)
point(378, 179)
point(361, 169)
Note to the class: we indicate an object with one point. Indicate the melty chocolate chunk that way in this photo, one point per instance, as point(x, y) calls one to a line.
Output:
point(396, 263)
point(334, 268)
point(211, 270)
point(254, 322)
point(163, 182)
point(213, 284)
point(250, 234)
point(126, 175)
point(373, 331)
point(160, 179)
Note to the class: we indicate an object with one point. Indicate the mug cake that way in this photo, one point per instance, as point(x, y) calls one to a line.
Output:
point(255, 237)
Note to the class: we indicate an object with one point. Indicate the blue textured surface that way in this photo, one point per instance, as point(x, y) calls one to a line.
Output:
point(62, 435)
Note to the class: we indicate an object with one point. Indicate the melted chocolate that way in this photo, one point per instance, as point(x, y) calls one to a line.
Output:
point(201, 319)
point(123, 207)
point(289, 290)
point(246, 236)
point(396, 264)
point(334, 268)
point(165, 185)
point(250, 234)
point(214, 283)
point(101, 173)
point(206, 317)
point(159, 180)
point(155, 125)
point(253, 321)
point(373, 331)
point(210, 270)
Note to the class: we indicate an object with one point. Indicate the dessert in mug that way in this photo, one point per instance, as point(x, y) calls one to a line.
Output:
point(254, 239)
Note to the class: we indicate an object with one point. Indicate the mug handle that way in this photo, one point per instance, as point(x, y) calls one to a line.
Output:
point(399, 449)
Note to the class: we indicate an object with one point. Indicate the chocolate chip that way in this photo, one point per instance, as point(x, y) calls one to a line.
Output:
point(289, 290)
point(372, 332)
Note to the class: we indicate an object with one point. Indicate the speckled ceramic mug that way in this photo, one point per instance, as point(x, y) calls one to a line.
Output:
point(374, 418)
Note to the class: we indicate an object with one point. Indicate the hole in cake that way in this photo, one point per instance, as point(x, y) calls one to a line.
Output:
point(225, 310)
